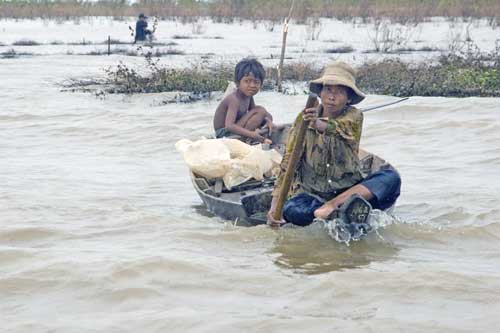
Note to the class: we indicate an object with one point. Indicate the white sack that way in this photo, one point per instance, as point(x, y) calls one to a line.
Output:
point(237, 148)
point(208, 158)
point(230, 159)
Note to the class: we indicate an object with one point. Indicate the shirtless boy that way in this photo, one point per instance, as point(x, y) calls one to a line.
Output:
point(237, 112)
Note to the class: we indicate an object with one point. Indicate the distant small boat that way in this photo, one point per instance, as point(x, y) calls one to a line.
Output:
point(249, 202)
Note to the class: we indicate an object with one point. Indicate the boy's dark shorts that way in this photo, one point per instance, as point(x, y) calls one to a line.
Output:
point(384, 184)
point(222, 132)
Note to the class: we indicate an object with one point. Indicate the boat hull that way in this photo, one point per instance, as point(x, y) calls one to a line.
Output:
point(247, 206)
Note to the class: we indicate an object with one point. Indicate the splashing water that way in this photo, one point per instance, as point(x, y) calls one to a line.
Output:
point(345, 233)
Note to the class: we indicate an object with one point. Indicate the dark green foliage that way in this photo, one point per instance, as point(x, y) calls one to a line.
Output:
point(466, 72)
point(389, 77)
point(393, 77)
point(299, 71)
point(162, 79)
point(191, 80)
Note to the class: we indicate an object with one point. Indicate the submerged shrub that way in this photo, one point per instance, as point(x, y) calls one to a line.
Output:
point(83, 42)
point(11, 53)
point(182, 37)
point(341, 49)
point(25, 42)
point(161, 79)
point(170, 51)
point(116, 41)
point(449, 78)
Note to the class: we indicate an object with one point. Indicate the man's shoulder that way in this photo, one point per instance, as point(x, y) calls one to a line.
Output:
point(353, 109)
point(353, 112)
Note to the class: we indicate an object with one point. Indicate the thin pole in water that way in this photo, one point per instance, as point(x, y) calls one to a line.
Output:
point(283, 47)
point(109, 45)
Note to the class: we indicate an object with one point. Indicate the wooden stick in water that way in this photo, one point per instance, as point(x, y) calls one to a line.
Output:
point(300, 133)
point(283, 47)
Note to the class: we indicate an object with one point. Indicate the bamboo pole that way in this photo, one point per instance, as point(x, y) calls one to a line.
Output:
point(300, 133)
point(282, 58)
point(283, 47)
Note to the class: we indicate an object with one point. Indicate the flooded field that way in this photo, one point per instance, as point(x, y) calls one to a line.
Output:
point(101, 230)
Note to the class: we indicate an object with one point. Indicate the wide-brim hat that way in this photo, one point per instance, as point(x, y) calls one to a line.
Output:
point(338, 73)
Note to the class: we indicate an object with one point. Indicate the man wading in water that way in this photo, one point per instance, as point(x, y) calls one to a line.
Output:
point(141, 31)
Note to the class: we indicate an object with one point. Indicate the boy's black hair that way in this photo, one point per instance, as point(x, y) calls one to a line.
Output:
point(247, 66)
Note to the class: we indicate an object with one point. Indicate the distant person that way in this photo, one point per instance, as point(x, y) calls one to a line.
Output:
point(141, 31)
point(237, 113)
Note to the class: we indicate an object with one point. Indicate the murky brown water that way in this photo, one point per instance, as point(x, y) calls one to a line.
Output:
point(101, 231)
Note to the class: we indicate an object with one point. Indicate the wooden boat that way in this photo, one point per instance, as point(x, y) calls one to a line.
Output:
point(249, 202)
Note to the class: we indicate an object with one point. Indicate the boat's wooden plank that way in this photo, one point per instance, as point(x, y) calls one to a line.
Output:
point(218, 187)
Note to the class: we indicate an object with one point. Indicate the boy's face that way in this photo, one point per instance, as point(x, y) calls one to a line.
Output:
point(333, 97)
point(249, 85)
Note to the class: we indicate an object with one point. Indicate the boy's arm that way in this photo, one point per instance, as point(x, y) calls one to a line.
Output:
point(253, 106)
point(269, 116)
point(231, 125)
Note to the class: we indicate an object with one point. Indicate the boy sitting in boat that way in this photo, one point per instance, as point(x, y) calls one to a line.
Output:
point(237, 113)
point(329, 173)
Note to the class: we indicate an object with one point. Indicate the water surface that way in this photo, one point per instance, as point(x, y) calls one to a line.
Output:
point(101, 231)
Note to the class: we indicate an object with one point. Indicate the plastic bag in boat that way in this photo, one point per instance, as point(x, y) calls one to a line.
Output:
point(207, 158)
point(230, 159)
point(256, 164)
point(237, 148)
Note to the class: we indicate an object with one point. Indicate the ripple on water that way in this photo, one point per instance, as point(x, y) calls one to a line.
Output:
point(17, 235)
point(311, 250)
point(13, 256)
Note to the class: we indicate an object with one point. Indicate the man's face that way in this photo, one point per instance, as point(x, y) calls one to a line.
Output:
point(333, 97)
point(249, 85)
